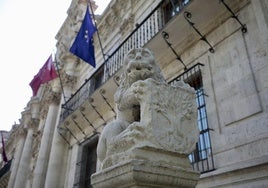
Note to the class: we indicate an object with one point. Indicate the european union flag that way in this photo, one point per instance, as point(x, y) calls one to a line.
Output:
point(83, 44)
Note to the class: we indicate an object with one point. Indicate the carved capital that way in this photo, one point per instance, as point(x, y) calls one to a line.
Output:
point(33, 123)
point(21, 132)
point(68, 80)
point(53, 97)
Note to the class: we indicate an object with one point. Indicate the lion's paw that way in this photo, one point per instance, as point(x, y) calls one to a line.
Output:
point(141, 88)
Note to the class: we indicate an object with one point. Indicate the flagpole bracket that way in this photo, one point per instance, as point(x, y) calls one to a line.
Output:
point(188, 16)
point(66, 108)
point(165, 36)
point(243, 26)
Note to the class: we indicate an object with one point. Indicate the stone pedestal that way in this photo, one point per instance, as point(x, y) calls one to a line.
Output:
point(148, 167)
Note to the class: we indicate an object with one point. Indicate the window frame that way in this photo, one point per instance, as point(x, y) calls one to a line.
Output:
point(82, 172)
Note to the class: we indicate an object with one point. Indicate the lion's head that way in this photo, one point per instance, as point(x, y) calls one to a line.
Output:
point(140, 64)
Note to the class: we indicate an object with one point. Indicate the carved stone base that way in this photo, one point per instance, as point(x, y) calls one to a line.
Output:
point(148, 167)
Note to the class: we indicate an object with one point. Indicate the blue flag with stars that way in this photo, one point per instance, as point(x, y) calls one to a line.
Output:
point(83, 44)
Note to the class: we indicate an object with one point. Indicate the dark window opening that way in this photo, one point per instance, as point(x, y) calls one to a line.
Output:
point(86, 165)
point(97, 79)
point(172, 7)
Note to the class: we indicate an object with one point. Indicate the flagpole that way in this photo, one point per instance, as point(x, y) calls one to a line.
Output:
point(61, 85)
point(97, 30)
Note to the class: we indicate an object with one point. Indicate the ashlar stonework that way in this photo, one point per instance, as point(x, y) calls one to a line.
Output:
point(154, 131)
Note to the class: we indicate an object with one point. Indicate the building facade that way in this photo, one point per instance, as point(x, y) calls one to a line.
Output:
point(218, 47)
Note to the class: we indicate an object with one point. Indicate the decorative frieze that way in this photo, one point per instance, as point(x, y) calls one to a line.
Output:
point(127, 25)
point(35, 150)
point(43, 112)
point(120, 16)
point(36, 143)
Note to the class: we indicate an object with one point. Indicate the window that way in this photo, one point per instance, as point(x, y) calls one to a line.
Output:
point(87, 161)
point(97, 79)
point(201, 158)
point(172, 7)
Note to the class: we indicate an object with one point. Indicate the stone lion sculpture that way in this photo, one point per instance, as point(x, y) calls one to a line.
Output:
point(149, 112)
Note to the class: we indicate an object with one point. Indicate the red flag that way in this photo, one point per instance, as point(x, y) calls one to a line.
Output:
point(45, 74)
point(35, 84)
point(4, 156)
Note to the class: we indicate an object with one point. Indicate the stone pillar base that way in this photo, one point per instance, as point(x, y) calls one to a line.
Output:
point(148, 167)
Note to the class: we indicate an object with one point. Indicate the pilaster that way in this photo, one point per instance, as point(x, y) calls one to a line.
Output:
point(57, 159)
point(20, 136)
point(24, 166)
point(39, 174)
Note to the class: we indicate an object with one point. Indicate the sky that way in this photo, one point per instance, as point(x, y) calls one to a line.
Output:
point(27, 38)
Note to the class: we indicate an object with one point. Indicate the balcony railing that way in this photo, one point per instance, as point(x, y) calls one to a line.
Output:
point(141, 35)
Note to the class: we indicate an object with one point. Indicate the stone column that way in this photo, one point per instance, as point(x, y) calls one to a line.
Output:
point(56, 161)
point(24, 166)
point(20, 134)
point(39, 174)
point(59, 146)
point(34, 106)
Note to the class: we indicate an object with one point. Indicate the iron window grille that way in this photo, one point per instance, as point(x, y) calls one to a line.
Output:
point(201, 158)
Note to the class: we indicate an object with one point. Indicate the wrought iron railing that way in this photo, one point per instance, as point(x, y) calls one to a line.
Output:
point(141, 35)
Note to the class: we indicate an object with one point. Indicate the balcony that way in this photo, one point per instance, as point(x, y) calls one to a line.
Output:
point(92, 105)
